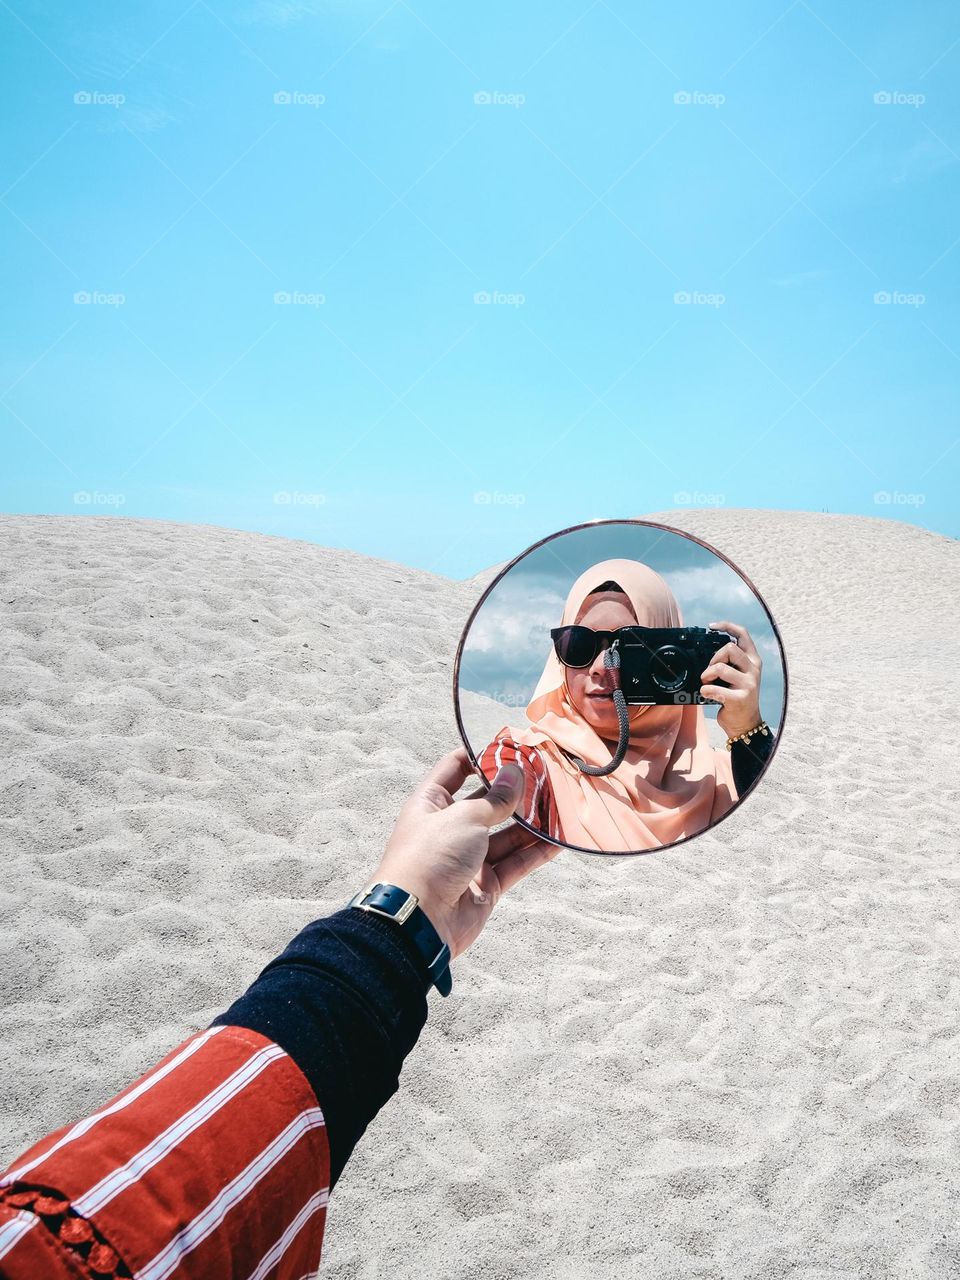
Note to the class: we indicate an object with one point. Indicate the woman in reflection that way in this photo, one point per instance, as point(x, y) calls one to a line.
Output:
point(672, 782)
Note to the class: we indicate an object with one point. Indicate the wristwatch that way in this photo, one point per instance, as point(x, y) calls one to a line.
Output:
point(396, 904)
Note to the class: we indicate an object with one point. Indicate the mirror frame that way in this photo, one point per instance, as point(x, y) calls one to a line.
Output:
point(590, 524)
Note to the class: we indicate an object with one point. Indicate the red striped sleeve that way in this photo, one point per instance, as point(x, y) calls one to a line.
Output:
point(214, 1163)
point(537, 806)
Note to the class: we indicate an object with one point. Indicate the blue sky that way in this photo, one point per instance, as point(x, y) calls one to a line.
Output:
point(680, 218)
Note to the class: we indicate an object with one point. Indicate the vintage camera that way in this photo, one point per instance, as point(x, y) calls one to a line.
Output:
point(663, 665)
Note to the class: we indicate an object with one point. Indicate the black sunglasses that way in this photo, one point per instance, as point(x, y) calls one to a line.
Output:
point(577, 646)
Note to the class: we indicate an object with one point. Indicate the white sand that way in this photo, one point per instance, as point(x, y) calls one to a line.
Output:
point(736, 1059)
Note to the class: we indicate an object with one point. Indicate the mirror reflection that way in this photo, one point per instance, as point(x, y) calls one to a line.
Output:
point(641, 692)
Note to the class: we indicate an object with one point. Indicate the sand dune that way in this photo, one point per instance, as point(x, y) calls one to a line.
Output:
point(737, 1059)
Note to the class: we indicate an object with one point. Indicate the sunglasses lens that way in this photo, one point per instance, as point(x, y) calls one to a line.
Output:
point(576, 646)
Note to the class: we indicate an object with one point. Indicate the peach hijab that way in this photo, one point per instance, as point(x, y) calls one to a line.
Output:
point(671, 783)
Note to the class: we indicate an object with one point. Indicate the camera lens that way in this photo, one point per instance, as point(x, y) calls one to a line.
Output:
point(668, 668)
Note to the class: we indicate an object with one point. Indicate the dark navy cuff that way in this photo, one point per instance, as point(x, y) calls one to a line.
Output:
point(347, 1001)
point(749, 759)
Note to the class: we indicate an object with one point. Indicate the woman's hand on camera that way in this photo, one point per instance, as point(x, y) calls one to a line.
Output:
point(441, 849)
point(739, 665)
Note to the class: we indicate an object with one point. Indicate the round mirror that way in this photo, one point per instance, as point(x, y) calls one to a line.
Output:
point(634, 674)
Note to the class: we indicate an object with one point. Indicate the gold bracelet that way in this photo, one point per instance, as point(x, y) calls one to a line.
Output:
point(762, 727)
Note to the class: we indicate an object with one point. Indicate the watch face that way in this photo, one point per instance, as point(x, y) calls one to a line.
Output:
point(634, 674)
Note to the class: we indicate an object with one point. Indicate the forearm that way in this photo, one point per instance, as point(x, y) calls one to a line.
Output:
point(218, 1161)
point(213, 1163)
point(347, 1001)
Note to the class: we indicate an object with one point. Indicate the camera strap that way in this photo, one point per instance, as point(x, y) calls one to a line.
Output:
point(611, 658)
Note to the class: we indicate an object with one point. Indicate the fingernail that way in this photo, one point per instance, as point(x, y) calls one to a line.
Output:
point(510, 776)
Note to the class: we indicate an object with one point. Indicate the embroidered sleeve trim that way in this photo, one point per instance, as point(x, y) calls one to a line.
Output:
point(78, 1236)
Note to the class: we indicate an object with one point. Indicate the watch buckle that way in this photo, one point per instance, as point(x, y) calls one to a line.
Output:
point(402, 915)
point(408, 908)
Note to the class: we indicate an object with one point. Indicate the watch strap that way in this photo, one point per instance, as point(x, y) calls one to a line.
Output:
point(402, 907)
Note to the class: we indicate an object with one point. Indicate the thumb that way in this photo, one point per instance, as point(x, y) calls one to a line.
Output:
point(506, 792)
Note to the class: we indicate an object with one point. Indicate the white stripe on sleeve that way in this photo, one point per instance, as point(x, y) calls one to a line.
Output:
point(206, 1222)
point(85, 1125)
point(273, 1255)
point(120, 1179)
point(15, 1230)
